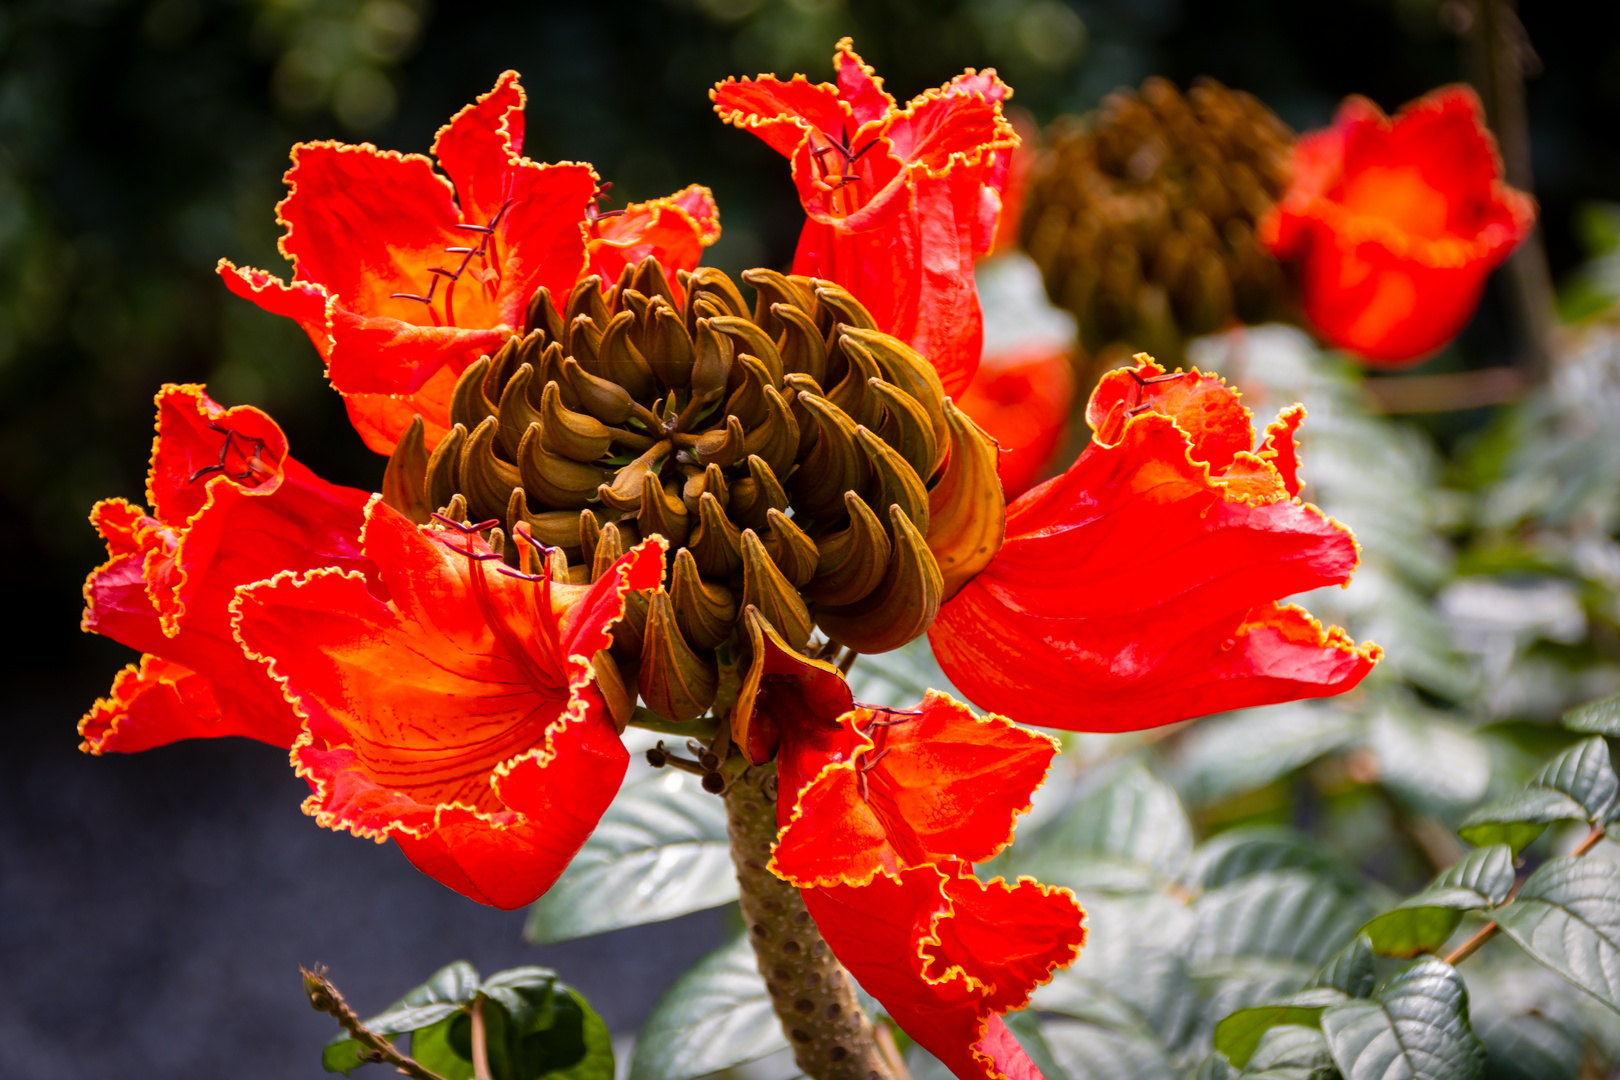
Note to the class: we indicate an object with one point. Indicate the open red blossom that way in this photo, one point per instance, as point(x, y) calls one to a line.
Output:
point(1397, 223)
point(1139, 588)
point(402, 277)
point(882, 813)
point(899, 200)
point(228, 506)
point(1021, 398)
point(459, 715)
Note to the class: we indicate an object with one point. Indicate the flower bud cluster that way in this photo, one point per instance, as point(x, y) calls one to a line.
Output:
point(795, 459)
point(1142, 215)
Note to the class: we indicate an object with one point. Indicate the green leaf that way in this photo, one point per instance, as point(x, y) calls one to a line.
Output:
point(1088, 1052)
point(1531, 1046)
point(577, 1045)
point(1238, 1034)
point(433, 1048)
point(1267, 935)
point(1125, 832)
point(1216, 1067)
point(1239, 853)
point(1132, 975)
point(661, 850)
point(1408, 742)
point(1567, 916)
point(1353, 969)
point(1415, 1027)
point(1249, 749)
point(1424, 922)
point(1291, 1052)
point(1579, 784)
point(1600, 717)
point(716, 1016)
point(446, 992)
point(342, 1055)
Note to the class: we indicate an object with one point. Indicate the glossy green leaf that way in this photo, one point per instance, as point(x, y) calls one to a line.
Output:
point(1567, 916)
point(446, 992)
point(1353, 969)
point(1579, 784)
point(1239, 1034)
point(716, 1016)
point(1215, 1067)
point(1239, 853)
point(1414, 1027)
point(1125, 832)
point(432, 1047)
point(1089, 1052)
point(1600, 717)
point(1267, 935)
point(1424, 922)
point(661, 850)
point(1249, 749)
point(342, 1055)
point(1291, 1052)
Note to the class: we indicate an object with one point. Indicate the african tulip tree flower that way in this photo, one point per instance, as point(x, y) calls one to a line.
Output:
point(899, 200)
point(228, 507)
point(1140, 587)
point(403, 276)
point(1397, 223)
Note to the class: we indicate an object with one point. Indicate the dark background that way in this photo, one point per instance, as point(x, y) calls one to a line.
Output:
point(153, 908)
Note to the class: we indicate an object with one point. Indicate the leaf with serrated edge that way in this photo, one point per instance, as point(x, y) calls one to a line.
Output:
point(1124, 832)
point(1567, 916)
point(1087, 1052)
point(1600, 717)
point(716, 1016)
point(1424, 922)
point(1238, 1034)
point(1414, 1027)
point(661, 850)
point(1579, 784)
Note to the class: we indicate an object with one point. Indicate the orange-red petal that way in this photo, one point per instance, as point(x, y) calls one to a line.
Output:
point(1138, 588)
point(1021, 399)
point(454, 712)
point(674, 230)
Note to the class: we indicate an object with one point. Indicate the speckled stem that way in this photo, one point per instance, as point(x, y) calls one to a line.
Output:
point(813, 995)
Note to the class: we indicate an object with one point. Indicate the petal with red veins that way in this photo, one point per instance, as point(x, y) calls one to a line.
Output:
point(1126, 595)
point(1202, 405)
point(917, 786)
point(781, 113)
point(479, 145)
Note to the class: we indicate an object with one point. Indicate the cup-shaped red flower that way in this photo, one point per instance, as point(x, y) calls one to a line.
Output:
point(882, 814)
point(1140, 587)
point(899, 200)
point(228, 506)
point(1021, 398)
point(460, 715)
point(1397, 223)
point(402, 277)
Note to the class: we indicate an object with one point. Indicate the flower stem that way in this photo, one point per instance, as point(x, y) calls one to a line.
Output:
point(324, 997)
point(1491, 929)
point(813, 995)
point(480, 1041)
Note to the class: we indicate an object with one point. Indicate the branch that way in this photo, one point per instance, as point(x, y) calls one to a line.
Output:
point(324, 997)
point(1491, 929)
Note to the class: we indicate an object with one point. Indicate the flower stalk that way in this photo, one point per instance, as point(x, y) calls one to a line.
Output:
point(813, 996)
point(324, 997)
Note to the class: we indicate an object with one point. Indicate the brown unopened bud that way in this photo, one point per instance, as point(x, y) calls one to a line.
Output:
point(483, 478)
point(543, 315)
point(516, 412)
point(556, 480)
point(704, 610)
point(443, 466)
point(852, 562)
point(573, 435)
point(901, 607)
point(404, 485)
point(967, 509)
point(767, 589)
point(676, 682)
point(468, 405)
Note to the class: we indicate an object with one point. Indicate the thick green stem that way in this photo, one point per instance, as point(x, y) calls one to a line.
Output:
point(813, 995)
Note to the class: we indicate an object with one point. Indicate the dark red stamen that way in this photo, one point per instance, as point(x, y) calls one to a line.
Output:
point(253, 462)
point(467, 255)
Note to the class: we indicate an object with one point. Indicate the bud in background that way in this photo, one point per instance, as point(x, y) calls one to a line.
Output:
point(1142, 216)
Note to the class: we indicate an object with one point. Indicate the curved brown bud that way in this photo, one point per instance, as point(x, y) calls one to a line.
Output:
point(851, 394)
point(585, 344)
point(705, 611)
point(901, 608)
point(843, 306)
point(793, 552)
point(751, 339)
point(553, 528)
point(586, 299)
point(893, 481)
point(747, 401)
point(802, 386)
point(804, 350)
point(775, 289)
point(483, 478)
point(710, 478)
point(557, 482)
point(910, 371)
point(573, 435)
point(907, 427)
point(404, 484)
point(548, 367)
point(622, 362)
point(516, 412)
point(765, 587)
point(968, 514)
point(711, 285)
point(850, 563)
point(676, 682)
point(648, 279)
point(716, 543)
point(834, 465)
point(662, 513)
point(607, 401)
point(623, 492)
point(621, 701)
point(815, 683)
point(756, 494)
point(711, 373)
point(502, 362)
point(776, 439)
point(468, 405)
point(629, 633)
point(723, 448)
point(443, 465)
point(668, 347)
point(543, 315)
point(609, 547)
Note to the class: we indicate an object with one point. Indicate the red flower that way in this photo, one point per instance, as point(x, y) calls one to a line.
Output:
point(899, 200)
point(1021, 399)
point(1397, 223)
point(228, 507)
point(402, 278)
point(459, 716)
point(1140, 587)
point(882, 814)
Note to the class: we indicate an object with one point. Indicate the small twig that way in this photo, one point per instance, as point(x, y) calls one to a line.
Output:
point(847, 662)
point(480, 1046)
point(1491, 929)
point(324, 997)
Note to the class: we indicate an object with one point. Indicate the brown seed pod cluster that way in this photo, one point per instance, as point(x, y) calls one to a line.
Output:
point(796, 460)
point(1141, 215)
